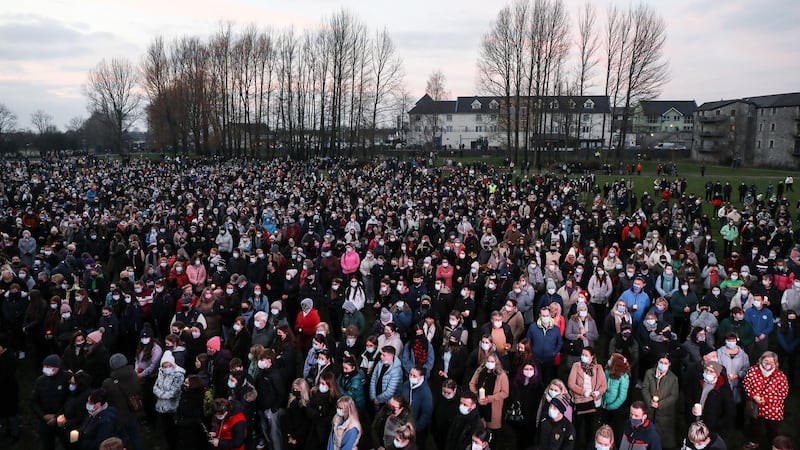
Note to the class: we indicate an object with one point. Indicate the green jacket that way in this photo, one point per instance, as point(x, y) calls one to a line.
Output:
point(742, 328)
point(679, 301)
point(617, 391)
point(664, 417)
point(357, 319)
point(729, 232)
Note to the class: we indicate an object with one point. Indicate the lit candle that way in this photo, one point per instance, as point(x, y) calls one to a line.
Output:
point(61, 420)
point(73, 436)
point(655, 398)
point(481, 393)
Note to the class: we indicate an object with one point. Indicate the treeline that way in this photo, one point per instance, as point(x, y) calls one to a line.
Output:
point(261, 91)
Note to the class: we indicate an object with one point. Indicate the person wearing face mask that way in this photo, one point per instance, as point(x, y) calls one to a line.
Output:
point(636, 300)
point(465, 424)
point(101, 422)
point(546, 340)
point(229, 426)
point(417, 393)
point(766, 386)
point(74, 355)
point(50, 391)
point(346, 429)
point(75, 407)
point(600, 288)
point(788, 335)
point(148, 358)
point(239, 342)
point(445, 410)
point(587, 384)
point(701, 437)
point(121, 385)
point(188, 426)
point(167, 391)
point(740, 327)
point(581, 330)
point(639, 432)
point(713, 395)
point(490, 383)
point(681, 304)
point(761, 319)
point(604, 438)
point(556, 432)
point(272, 396)
point(386, 377)
point(321, 410)
point(65, 327)
point(306, 323)
point(660, 394)
point(790, 300)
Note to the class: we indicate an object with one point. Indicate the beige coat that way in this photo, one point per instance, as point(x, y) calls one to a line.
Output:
point(576, 379)
point(496, 398)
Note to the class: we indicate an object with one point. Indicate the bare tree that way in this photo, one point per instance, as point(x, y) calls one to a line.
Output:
point(387, 72)
point(647, 71)
point(615, 34)
point(112, 93)
point(42, 122)
point(8, 120)
point(588, 46)
point(435, 88)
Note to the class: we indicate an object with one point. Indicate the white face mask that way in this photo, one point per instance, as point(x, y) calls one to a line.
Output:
point(262, 364)
point(477, 446)
point(144, 340)
point(485, 347)
point(323, 388)
point(497, 323)
point(490, 365)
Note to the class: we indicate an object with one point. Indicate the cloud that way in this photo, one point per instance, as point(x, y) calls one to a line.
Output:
point(30, 38)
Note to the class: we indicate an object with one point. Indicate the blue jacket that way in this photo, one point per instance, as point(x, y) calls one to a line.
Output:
point(354, 387)
point(546, 342)
point(390, 383)
point(789, 341)
point(642, 300)
point(421, 401)
point(762, 321)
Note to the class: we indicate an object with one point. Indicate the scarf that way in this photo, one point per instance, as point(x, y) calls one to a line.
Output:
point(588, 369)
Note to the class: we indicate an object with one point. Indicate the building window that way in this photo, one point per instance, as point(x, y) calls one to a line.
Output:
point(571, 104)
point(494, 104)
point(652, 119)
point(494, 128)
point(417, 118)
point(585, 129)
point(758, 144)
point(476, 105)
point(733, 113)
point(586, 117)
point(687, 128)
point(449, 128)
point(478, 129)
point(687, 119)
point(761, 126)
point(554, 104)
point(418, 129)
point(449, 118)
point(771, 143)
point(774, 111)
point(493, 117)
point(717, 112)
point(588, 104)
point(466, 129)
point(772, 127)
point(478, 118)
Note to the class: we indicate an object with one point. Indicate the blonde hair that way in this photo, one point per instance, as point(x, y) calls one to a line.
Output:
point(563, 387)
point(606, 432)
point(698, 431)
point(302, 386)
point(350, 413)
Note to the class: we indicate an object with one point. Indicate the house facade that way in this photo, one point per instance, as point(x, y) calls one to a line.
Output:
point(763, 131)
point(486, 122)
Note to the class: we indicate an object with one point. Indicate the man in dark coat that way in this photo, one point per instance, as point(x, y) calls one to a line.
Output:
point(639, 432)
point(102, 422)
point(467, 423)
point(50, 392)
point(120, 387)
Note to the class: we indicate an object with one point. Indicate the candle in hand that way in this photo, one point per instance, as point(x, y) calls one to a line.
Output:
point(655, 398)
point(73, 436)
point(61, 420)
point(481, 394)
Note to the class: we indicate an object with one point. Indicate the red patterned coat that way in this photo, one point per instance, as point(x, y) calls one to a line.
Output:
point(774, 393)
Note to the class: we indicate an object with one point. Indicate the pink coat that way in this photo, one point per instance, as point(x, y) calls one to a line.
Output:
point(197, 276)
point(350, 262)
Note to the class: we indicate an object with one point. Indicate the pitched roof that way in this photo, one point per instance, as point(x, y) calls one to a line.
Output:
point(776, 101)
point(427, 105)
point(707, 106)
point(651, 108)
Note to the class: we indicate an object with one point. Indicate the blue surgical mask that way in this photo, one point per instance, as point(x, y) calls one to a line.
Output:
point(709, 378)
point(663, 367)
point(585, 359)
point(637, 422)
point(730, 344)
point(553, 413)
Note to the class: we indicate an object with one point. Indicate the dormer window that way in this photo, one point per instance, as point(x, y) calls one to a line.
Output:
point(476, 105)
point(494, 104)
point(588, 104)
point(571, 104)
point(554, 104)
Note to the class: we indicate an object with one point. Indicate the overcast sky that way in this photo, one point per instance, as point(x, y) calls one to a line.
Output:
point(716, 49)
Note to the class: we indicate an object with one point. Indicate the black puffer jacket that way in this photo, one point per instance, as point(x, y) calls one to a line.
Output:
point(122, 383)
point(50, 393)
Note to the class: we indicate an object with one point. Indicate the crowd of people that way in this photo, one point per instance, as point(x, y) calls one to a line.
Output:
point(390, 305)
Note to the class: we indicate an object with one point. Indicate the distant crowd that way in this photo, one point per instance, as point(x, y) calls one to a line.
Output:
point(337, 304)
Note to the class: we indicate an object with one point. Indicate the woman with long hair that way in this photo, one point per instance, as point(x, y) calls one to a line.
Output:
point(490, 384)
point(296, 425)
point(321, 409)
point(345, 427)
point(618, 377)
point(587, 382)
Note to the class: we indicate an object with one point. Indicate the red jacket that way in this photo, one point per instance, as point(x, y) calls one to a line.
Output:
point(306, 325)
point(774, 393)
point(226, 432)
